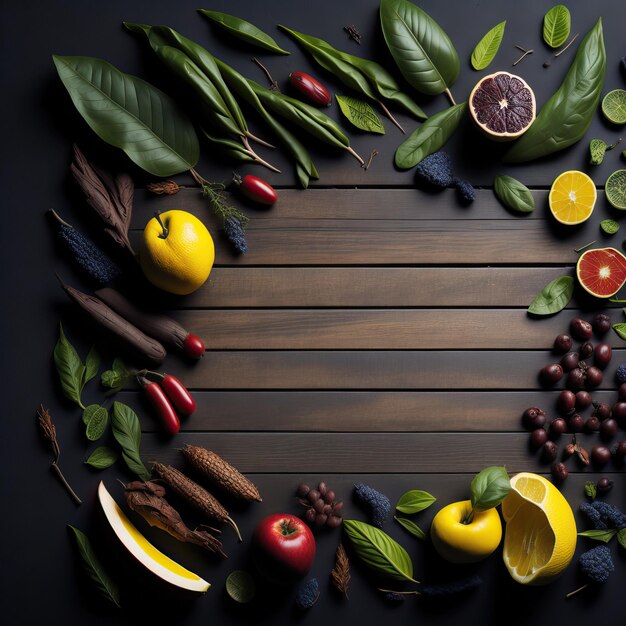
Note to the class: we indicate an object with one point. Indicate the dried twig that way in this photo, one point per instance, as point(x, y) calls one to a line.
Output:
point(50, 433)
point(373, 154)
point(340, 574)
point(273, 84)
point(526, 53)
point(353, 33)
point(562, 50)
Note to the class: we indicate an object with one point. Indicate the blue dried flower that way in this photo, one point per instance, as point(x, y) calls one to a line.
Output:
point(465, 191)
point(307, 595)
point(603, 515)
point(450, 589)
point(378, 504)
point(596, 564)
point(620, 374)
point(88, 256)
point(236, 235)
point(436, 170)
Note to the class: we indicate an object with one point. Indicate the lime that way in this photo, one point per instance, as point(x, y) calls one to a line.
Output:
point(614, 106)
point(615, 189)
point(240, 586)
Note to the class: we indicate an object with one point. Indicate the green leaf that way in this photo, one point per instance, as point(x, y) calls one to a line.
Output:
point(610, 227)
point(566, 116)
point(127, 433)
point(487, 48)
point(89, 412)
point(360, 114)
point(97, 423)
point(620, 329)
point(101, 458)
point(411, 527)
point(93, 568)
point(69, 367)
point(243, 30)
point(489, 487)
point(600, 535)
point(240, 586)
point(116, 377)
point(429, 137)
point(513, 194)
point(621, 537)
point(590, 490)
point(92, 364)
point(379, 551)
point(130, 114)
point(556, 25)
point(422, 51)
point(414, 501)
point(554, 297)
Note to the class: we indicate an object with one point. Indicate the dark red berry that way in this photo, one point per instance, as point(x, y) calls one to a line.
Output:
point(313, 495)
point(551, 374)
point(538, 438)
point(580, 329)
point(619, 449)
point(534, 417)
point(337, 508)
point(318, 505)
point(586, 350)
point(602, 410)
point(549, 451)
point(327, 510)
point(329, 497)
point(322, 488)
point(558, 426)
point(576, 423)
point(604, 485)
point(576, 379)
point(601, 324)
point(592, 424)
point(570, 361)
point(621, 392)
point(609, 428)
point(333, 521)
point(566, 402)
point(593, 376)
point(559, 471)
point(583, 400)
point(600, 455)
point(562, 344)
point(619, 411)
point(310, 515)
point(303, 490)
point(602, 355)
point(320, 519)
point(569, 449)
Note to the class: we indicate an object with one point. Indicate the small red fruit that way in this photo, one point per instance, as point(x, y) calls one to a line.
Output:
point(161, 405)
point(179, 396)
point(310, 88)
point(256, 189)
point(193, 347)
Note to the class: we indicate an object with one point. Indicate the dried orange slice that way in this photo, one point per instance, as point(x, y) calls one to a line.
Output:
point(572, 197)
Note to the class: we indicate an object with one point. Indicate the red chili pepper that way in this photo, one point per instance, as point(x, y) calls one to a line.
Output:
point(193, 347)
point(310, 88)
point(256, 189)
point(178, 395)
point(161, 404)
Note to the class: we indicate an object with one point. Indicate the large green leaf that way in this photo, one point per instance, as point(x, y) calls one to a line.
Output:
point(422, 50)
point(567, 115)
point(130, 114)
point(487, 48)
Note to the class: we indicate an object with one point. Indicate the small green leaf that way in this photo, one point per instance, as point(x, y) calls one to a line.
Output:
point(101, 458)
point(620, 329)
point(489, 487)
point(240, 586)
point(97, 424)
point(554, 297)
point(556, 25)
point(600, 535)
point(127, 433)
point(92, 364)
point(89, 411)
point(116, 377)
point(102, 581)
point(487, 48)
point(379, 551)
point(513, 194)
point(360, 114)
point(411, 527)
point(414, 501)
point(70, 368)
point(621, 537)
point(590, 490)
point(610, 227)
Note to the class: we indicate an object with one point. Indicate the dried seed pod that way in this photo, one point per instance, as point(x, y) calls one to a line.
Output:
point(147, 500)
point(217, 470)
point(194, 494)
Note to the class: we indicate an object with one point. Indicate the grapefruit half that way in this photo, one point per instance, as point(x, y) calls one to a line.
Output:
point(601, 272)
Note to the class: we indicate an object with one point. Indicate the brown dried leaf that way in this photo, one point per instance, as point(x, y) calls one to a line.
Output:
point(340, 574)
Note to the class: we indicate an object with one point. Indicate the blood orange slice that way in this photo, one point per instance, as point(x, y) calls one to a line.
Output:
point(601, 272)
point(503, 106)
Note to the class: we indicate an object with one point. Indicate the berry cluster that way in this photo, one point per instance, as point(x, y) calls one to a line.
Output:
point(572, 401)
point(322, 508)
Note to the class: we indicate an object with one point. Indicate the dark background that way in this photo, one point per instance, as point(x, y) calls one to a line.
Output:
point(40, 581)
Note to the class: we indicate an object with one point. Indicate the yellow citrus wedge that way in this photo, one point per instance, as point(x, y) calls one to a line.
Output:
point(540, 535)
point(154, 560)
point(572, 197)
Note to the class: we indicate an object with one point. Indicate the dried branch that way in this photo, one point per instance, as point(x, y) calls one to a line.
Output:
point(340, 574)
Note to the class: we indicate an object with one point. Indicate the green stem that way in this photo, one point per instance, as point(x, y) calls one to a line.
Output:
point(467, 519)
point(450, 96)
point(391, 117)
point(165, 232)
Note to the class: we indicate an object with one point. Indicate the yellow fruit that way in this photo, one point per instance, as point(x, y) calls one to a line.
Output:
point(540, 536)
point(176, 252)
point(465, 543)
point(572, 197)
point(144, 551)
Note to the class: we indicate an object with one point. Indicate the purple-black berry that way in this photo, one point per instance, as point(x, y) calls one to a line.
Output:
point(377, 503)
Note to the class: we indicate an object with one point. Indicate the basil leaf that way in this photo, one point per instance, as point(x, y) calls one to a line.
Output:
point(429, 137)
point(360, 114)
point(414, 501)
point(97, 423)
point(620, 329)
point(101, 458)
point(70, 368)
point(92, 364)
point(567, 115)
point(610, 227)
point(621, 537)
point(130, 114)
point(127, 433)
point(554, 297)
point(489, 487)
point(487, 48)
point(379, 551)
point(590, 490)
point(600, 535)
point(422, 51)
point(92, 566)
point(513, 194)
point(411, 527)
point(243, 30)
point(556, 25)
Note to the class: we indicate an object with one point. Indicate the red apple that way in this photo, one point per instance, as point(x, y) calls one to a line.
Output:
point(283, 548)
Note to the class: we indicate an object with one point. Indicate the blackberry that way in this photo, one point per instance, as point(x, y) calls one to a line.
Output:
point(378, 504)
point(308, 594)
point(236, 235)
